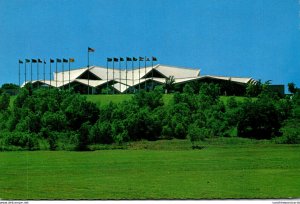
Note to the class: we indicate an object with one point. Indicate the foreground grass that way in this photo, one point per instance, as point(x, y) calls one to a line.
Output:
point(228, 171)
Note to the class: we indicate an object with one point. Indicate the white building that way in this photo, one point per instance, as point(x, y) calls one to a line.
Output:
point(98, 79)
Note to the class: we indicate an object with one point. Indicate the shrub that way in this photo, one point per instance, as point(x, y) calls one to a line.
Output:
point(101, 133)
point(21, 139)
point(196, 134)
point(83, 137)
point(290, 132)
point(54, 121)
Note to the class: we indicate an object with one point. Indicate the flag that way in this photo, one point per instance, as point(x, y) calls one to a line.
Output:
point(58, 60)
point(128, 59)
point(91, 49)
point(27, 60)
point(39, 61)
point(65, 60)
point(121, 59)
point(141, 58)
point(51, 60)
point(20, 61)
point(134, 59)
point(154, 59)
point(109, 59)
point(44, 62)
point(116, 59)
point(71, 60)
point(33, 61)
point(147, 59)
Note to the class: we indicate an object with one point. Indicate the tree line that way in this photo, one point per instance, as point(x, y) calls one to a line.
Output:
point(63, 120)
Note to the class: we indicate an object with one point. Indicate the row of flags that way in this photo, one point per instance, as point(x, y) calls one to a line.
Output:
point(44, 61)
point(121, 59)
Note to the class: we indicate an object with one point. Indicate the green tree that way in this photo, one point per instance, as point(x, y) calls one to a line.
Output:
point(259, 119)
point(254, 89)
point(292, 88)
point(169, 84)
point(83, 137)
point(4, 102)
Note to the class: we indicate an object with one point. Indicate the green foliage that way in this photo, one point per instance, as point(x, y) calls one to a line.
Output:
point(54, 121)
point(169, 84)
point(196, 134)
point(101, 133)
point(152, 99)
point(9, 86)
point(254, 89)
point(292, 88)
point(78, 111)
point(23, 140)
point(4, 102)
point(291, 132)
point(64, 120)
point(259, 119)
point(210, 90)
point(83, 137)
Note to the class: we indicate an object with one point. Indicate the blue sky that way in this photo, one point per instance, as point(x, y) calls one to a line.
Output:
point(248, 38)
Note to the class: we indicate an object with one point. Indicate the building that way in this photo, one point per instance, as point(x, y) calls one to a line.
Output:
point(96, 79)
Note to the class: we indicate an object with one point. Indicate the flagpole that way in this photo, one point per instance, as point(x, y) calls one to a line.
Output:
point(69, 76)
point(120, 74)
point(88, 70)
point(31, 71)
point(139, 75)
point(37, 77)
point(145, 74)
point(19, 75)
point(56, 74)
point(132, 75)
point(126, 75)
point(50, 74)
point(107, 76)
point(44, 72)
point(25, 72)
point(63, 74)
point(152, 73)
point(113, 74)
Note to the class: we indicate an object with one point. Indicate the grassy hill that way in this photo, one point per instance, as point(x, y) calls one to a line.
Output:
point(117, 98)
point(103, 99)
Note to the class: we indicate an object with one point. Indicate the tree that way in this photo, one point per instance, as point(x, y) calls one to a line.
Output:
point(254, 89)
point(169, 84)
point(83, 137)
point(259, 119)
point(196, 134)
point(292, 88)
point(4, 101)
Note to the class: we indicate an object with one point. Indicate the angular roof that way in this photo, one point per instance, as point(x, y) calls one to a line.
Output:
point(123, 79)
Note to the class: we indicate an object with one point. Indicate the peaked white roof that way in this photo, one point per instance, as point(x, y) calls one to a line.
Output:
point(123, 79)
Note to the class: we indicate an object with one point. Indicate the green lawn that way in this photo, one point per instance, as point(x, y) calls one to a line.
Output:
point(103, 99)
point(228, 171)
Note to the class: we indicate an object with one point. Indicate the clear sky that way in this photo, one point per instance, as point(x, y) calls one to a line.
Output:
point(247, 38)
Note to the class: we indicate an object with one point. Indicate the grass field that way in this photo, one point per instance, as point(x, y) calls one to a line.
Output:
point(103, 99)
point(215, 172)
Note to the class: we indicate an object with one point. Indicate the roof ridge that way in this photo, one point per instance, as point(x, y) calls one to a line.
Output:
point(228, 76)
point(180, 67)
